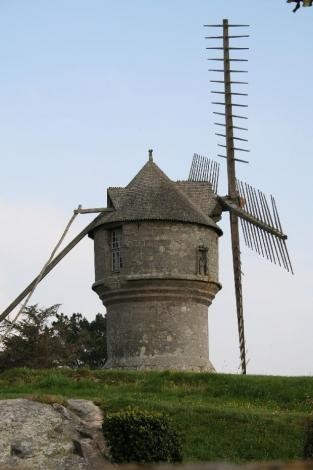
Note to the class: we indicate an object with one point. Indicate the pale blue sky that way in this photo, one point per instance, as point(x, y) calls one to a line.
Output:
point(86, 87)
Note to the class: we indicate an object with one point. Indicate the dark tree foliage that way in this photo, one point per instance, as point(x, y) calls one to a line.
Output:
point(305, 3)
point(308, 444)
point(46, 338)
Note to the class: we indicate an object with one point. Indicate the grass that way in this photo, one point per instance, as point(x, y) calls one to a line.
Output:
point(220, 417)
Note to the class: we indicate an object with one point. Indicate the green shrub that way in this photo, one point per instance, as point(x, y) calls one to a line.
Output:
point(308, 444)
point(141, 436)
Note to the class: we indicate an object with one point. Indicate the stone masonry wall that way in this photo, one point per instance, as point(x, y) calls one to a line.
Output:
point(157, 249)
point(158, 335)
point(157, 305)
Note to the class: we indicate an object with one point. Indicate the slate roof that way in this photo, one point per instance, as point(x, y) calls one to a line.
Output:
point(115, 195)
point(151, 195)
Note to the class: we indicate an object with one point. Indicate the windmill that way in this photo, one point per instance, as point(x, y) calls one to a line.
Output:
point(260, 223)
point(156, 245)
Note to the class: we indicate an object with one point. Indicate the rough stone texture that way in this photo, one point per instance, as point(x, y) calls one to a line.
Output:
point(180, 339)
point(157, 305)
point(39, 436)
point(156, 250)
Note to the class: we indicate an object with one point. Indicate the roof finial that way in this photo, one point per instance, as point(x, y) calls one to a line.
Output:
point(150, 155)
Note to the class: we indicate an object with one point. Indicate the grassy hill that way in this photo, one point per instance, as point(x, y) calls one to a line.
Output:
point(221, 417)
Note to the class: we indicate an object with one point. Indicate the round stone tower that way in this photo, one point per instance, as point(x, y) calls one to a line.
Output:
point(156, 269)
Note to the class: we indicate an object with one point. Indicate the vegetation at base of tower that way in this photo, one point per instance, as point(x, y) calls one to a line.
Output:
point(308, 445)
point(45, 339)
point(141, 436)
point(220, 417)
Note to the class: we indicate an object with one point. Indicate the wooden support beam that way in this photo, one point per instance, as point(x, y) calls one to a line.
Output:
point(231, 206)
point(50, 266)
point(95, 210)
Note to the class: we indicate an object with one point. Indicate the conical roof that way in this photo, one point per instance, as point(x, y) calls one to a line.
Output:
point(151, 195)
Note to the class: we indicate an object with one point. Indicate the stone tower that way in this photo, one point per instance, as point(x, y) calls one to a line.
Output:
point(156, 271)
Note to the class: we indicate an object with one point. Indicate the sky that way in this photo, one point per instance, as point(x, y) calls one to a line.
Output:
point(87, 87)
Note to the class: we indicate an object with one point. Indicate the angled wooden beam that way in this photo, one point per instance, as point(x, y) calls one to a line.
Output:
point(231, 206)
point(50, 266)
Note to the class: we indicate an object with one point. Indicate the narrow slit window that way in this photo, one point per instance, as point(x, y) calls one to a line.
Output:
point(116, 242)
point(202, 260)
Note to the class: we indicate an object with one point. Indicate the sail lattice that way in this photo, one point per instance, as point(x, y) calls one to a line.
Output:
point(203, 169)
point(261, 226)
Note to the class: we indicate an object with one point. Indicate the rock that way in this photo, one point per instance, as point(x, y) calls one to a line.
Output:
point(22, 449)
point(35, 436)
point(87, 411)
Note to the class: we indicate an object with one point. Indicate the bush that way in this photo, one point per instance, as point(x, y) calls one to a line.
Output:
point(44, 339)
point(141, 436)
point(308, 445)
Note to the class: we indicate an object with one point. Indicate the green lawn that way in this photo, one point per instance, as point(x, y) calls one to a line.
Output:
point(220, 417)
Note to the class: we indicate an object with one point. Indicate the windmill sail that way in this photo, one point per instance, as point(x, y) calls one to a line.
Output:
point(260, 223)
point(203, 169)
point(232, 149)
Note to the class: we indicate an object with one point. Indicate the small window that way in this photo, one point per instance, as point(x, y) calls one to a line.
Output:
point(203, 260)
point(116, 242)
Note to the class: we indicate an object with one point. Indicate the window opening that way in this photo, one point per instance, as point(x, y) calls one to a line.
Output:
point(203, 260)
point(116, 242)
